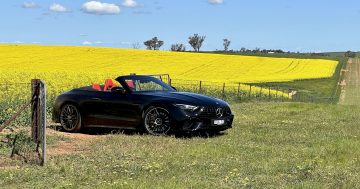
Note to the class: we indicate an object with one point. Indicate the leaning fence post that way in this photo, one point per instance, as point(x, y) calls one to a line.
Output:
point(169, 81)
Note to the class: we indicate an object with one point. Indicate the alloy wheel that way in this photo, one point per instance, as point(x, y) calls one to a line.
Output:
point(157, 121)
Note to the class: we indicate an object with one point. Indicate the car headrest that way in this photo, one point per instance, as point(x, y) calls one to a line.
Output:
point(108, 84)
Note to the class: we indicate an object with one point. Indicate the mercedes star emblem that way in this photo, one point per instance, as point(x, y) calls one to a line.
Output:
point(219, 112)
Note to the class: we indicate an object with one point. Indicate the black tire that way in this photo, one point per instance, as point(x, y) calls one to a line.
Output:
point(157, 121)
point(70, 118)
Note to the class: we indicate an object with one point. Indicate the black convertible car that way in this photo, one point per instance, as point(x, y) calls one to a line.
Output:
point(140, 102)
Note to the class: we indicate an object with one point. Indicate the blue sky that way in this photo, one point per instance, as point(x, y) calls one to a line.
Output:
point(295, 25)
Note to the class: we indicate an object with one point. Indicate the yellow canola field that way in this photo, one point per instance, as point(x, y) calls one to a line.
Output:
point(64, 67)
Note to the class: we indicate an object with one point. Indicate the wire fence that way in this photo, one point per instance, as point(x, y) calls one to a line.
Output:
point(22, 105)
point(12, 97)
point(243, 92)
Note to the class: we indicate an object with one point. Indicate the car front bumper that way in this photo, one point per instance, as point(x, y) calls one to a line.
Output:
point(200, 121)
point(206, 124)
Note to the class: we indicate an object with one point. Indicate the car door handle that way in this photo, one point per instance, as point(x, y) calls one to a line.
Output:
point(95, 99)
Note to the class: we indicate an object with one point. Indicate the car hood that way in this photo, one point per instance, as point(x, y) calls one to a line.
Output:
point(187, 98)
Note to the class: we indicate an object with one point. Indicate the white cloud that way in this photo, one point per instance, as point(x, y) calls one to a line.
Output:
point(99, 8)
point(86, 43)
point(29, 5)
point(130, 3)
point(57, 8)
point(216, 2)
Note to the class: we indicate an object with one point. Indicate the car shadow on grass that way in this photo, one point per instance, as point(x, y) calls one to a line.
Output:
point(114, 131)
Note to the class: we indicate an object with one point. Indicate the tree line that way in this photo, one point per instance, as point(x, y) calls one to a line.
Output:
point(196, 41)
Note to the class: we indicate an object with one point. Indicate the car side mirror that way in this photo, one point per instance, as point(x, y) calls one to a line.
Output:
point(174, 88)
point(118, 90)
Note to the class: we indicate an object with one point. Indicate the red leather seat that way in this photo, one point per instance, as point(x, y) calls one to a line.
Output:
point(96, 87)
point(109, 84)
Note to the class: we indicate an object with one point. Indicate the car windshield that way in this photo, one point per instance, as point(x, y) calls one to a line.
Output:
point(144, 84)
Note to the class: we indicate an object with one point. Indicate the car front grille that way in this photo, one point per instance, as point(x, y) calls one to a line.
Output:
point(210, 112)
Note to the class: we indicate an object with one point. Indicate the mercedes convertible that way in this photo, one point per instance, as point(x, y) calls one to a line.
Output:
point(142, 103)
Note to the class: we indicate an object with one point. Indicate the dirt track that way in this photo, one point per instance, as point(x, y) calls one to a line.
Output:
point(350, 86)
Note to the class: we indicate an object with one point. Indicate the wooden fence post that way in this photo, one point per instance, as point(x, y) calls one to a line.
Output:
point(38, 117)
point(223, 90)
point(200, 84)
point(269, 93)
point(250, 92)
point(169, 81)
point(239, 95)
point(35, 117)
point(43, 121)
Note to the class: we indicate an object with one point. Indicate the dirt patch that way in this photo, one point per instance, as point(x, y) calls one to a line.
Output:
point(73, 143)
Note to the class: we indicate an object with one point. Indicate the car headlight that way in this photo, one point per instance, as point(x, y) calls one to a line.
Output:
point(187, 107)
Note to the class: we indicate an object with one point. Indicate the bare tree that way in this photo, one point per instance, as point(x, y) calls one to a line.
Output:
point(226, 44)
point(153, 44)
point(196, 41)
point(136, 45)
point(178, 47)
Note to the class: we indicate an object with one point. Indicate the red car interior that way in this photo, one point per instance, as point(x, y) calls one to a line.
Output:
point(130, 83)
point(96, 86)
point(109, 84)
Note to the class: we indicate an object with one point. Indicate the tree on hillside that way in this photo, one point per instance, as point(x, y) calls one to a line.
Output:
point(153, 44)
point(178, 47)
point(350, 54)
point(226, 44)
point(196, 41)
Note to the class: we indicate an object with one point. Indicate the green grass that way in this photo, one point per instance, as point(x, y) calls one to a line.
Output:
point(272, 145)
point(317, 88)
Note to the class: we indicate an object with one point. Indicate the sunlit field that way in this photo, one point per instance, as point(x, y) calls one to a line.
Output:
point(61, 64)
point(66, 67)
